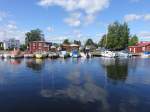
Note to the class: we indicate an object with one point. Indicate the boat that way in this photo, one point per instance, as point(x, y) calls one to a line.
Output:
point(75, 54)
point(83, 55)
point(63, 54)
point(40, 55)
point(28, 55)
point(16, 54)
point(145, 55)
point(123, 54)
point(1, 55)
point(13, 56)
point(53, 55)
point(109, 54)
point(6, 55)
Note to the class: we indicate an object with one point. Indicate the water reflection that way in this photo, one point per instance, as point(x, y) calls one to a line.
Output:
point(35, 64)
point(81, 88)
point(116, 69)
point(75, 85)
point(15, 61)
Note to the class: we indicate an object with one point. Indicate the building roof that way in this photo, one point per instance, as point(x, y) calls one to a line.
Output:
point(41, 42)
point(71, 45)
point(141, 44)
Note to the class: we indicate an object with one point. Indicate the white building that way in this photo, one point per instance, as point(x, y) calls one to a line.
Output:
point(11, 43)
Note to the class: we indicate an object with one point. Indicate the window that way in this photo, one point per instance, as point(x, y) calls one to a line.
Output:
point(40, 44)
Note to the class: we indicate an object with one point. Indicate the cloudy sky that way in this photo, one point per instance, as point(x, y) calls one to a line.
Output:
point(73, 19)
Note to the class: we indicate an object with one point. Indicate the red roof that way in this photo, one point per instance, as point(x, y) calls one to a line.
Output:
point(142, 44)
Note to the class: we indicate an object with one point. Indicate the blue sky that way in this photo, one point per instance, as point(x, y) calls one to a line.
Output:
point(72, 19)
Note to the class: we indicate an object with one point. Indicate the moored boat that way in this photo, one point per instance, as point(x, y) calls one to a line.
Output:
point(145, 55)
point(6, 55)
point(53, 55)
point(63, 54)
point(28, 55)
point(40, 55)
point(83, 55)
point(75, 54)
point(1, 56)
point(109, 54)
point(16, 54)
point(123, 54)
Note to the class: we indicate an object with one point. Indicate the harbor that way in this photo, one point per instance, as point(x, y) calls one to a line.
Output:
point(74, 56)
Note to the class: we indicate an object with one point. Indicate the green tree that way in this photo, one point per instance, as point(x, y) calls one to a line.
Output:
point(77, 42)
point(34, 35)
point(118, 36)
point(102, 42)
point(23, 47)
point(133, 40)
point(66, 41)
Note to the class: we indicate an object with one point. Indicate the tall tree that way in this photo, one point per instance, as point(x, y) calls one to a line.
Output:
point(23, 47)
point(34, 35)
point(118, 36)
point(102, 42)
point(133, 40)
point(66, 41)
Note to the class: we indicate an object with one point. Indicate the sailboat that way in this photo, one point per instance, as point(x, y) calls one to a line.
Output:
point(108, 53)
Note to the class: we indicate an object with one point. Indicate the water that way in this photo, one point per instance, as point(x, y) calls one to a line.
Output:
point(75, 85)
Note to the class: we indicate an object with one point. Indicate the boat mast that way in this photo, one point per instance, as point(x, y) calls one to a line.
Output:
point(106, 40)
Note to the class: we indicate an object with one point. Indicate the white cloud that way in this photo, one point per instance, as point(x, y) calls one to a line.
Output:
point(147, 17)
point(89, 19)
point(88, 8)
point(132, 17)
point(74, 20)
point(10, 30)
point(135, 17)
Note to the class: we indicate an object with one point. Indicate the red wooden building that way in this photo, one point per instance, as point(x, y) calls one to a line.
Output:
point(140, 47)
point(36, 46)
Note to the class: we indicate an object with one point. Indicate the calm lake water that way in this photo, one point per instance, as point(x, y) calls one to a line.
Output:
point(75, 85)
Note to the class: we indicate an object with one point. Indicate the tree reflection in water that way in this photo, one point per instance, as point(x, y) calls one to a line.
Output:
point(35, 64)
point(116, 69)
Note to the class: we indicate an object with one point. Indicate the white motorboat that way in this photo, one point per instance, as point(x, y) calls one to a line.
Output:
point(53, 55)
point(83, 55)
point(1, 55)
point(145, 55)
point(123, 54)
point(27, 55)
point(109, 54)
point(63, 54)
point(6, 55)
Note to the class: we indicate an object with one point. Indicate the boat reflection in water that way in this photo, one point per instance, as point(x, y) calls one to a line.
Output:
point(35, 64)
point(15, 61)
